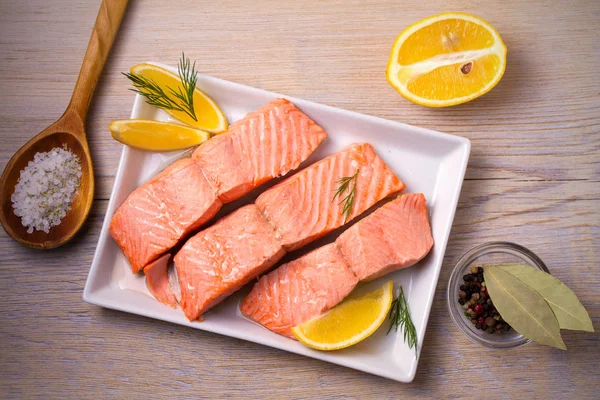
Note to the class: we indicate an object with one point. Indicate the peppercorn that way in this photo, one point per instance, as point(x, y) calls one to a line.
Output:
point(477, 304)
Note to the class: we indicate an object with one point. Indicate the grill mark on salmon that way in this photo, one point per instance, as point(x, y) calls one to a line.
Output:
point(299, 290)
point(157, 215)
point(157, 281)
point(221, 259)
point(301, 207)
point(395, 236)
point(160, 212)
point(268, 143)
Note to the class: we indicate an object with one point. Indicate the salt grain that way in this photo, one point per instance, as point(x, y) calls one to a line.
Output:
point(46, 188)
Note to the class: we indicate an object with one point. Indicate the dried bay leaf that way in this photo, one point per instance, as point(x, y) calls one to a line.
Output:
point(564, 303)
point(522, 307)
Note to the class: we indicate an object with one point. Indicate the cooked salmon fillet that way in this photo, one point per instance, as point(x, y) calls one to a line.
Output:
point(395, 236)
point(267, 143)
point(302, 207)
point(290, 215)
point(157, 281)
point(300, 290)
point(221, 259)
point(162, 211)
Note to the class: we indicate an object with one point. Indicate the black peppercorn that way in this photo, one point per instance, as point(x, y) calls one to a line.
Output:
point(479, 307)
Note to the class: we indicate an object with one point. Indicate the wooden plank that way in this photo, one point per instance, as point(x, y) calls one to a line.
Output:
point(533, 178)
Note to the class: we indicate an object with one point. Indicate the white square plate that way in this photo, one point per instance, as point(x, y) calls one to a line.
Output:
point(429, 162)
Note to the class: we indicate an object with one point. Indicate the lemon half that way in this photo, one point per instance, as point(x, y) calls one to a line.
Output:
point(447, 59)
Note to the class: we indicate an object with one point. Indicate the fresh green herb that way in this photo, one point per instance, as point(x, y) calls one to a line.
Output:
point(181, 99)
point(534, 303)
point(522, 307)
point(564, 303)
point(344, 186)
point(400, 318)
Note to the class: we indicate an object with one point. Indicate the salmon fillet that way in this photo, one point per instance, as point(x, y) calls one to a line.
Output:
point(159, 213)
point(300, 290)
point(157, 281)
point(267, 143)
point(302, 207)
point(395, 236)
point(221, 259)
point(289, 210)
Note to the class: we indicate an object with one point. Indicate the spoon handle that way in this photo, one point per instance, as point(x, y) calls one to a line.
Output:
point(104, 32)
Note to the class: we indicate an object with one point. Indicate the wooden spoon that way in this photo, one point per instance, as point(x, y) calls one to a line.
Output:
point(68, 131)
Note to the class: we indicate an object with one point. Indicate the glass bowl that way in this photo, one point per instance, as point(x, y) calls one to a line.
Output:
point(488, 253)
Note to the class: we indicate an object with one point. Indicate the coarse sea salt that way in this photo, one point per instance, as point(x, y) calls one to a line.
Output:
point(46, 188)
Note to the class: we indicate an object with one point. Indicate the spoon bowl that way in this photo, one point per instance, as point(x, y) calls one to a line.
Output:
point(67, 132)
point(82, 201)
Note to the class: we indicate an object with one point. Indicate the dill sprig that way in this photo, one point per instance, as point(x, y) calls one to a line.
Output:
point(400, 318)
point(344, 186)
point(181, 99)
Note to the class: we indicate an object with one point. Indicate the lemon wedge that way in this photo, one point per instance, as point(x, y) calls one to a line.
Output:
point(348, 323)
point(447, 59)
point(156, 136)
point(209, 116)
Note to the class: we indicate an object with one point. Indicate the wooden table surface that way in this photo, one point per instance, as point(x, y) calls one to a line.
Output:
point(533, 178)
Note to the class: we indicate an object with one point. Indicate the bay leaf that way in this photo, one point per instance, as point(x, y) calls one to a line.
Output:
point(567, 308)
point(522, 307)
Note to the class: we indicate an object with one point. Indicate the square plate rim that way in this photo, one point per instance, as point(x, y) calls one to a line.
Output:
point(462, 143)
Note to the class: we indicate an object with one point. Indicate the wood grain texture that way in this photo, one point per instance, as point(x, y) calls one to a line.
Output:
point(68, 130)
point(533, 178)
